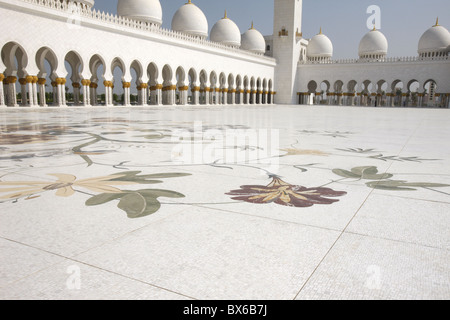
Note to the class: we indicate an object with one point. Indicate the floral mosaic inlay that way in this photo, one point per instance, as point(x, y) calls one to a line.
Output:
point(285, 194)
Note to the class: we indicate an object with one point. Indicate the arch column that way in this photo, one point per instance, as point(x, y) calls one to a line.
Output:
point(253, 93)
point(159, 94)
point(403, 100)
point(76, 93)
point(29, 93)
point(93, 93)
point(207, 95)
point(60, 91)
point(86, 92)
point(225, 96)
point(259, 97)
point(23, 92)
point(108, 93)
point(195, 95)
point(232, 96)
point(300, 98)
point(239, 95)
point(2, 92)
point(389, 99)
point(11, 92)
point(34, 86)
point(156, 94)
point(145, 95)
point(126, 93)
point(183, 95)
point(217, 95)
point(42, 92)
point(169, 93)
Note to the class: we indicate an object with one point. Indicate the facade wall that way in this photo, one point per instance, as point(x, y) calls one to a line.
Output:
point(378, 81)
point(33, 29)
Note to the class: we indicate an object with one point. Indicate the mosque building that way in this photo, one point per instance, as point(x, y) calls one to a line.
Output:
point(66, 53)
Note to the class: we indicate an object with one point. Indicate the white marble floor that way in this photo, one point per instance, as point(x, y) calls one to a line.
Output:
point(225, 203)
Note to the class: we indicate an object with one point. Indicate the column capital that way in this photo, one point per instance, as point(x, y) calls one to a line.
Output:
point(11, 79)
point(126, 85)
point(169, 88)
point(23, 81)
point(85, 82)
point(108, 84)
point(2, 77)
point(60, 81)
point(76, 85)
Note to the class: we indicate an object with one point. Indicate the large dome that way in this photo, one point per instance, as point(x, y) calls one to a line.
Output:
point(373, 45)
point(143, 10)
point(252, 40)
point(226, 32)
point(191, 20)
point(434, 40)
point(320, 46)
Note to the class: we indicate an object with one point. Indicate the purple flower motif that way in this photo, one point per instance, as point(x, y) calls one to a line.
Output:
point(285, 194)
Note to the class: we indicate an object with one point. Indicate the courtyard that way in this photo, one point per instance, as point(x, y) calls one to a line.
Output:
point(254, 202)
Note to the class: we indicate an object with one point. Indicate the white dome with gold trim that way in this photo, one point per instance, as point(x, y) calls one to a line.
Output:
point(435, 40)
point(226, 32)
point(252, 40)
point(320, 46)
point(373, 45)
point(142, 10)
point(191, 20)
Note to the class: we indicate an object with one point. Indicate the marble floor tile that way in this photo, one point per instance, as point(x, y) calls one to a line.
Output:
point(361, 267)
point(72, 280)
point(19, 261)
point(425, 223)
point(183, 202)
point(210, 254)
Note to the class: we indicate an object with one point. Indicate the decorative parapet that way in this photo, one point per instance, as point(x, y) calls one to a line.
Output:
point(85, 14)
point(385, 60)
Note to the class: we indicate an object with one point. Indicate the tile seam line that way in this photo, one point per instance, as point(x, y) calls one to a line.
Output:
point(411, 198)
point(89, 265)
point(329, 229)
point(397, 241)
point(332, 246)
point(266, 218)
point(356, 213)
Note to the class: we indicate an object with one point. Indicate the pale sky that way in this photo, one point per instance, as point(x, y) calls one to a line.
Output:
point(343, 21)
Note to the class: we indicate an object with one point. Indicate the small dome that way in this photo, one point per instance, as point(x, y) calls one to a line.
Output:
point(226, 32)
point(373, 44)
point(320, 46)
point(252, 40)
point(143, 10)
point(435, 40)
point(191, 20)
